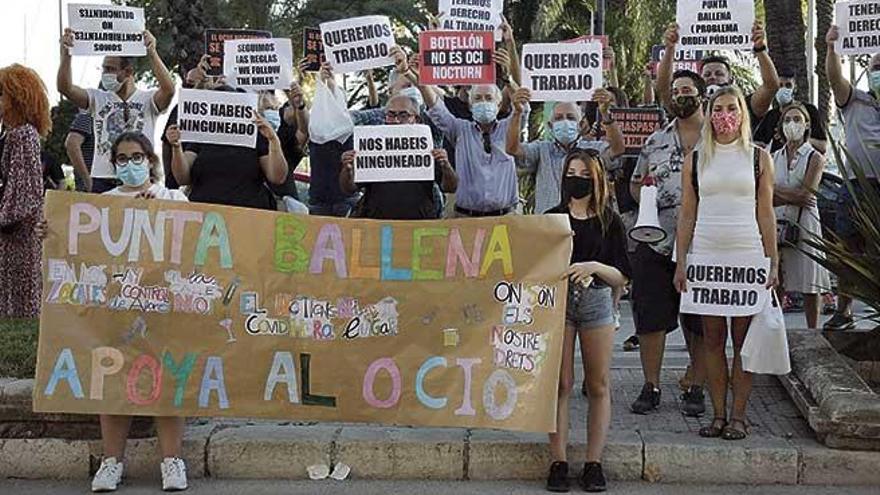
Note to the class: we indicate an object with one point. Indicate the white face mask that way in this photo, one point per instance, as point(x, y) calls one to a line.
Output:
point(794, 131)
point(110, 82)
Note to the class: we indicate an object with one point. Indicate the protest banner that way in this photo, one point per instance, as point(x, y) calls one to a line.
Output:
point(562, 71)
point(456, 57)
point(107, 30)
point(726, 285)
point(601, 38)
point(258, 64)
point(636, 124)
point(859, 25)
point(217, 117)
point(471, 15)
point(188, 309)
point(682, 60)
point(313, 49)
point(715, 24)
point(361, 43)
point(387, 153)
point(215, 38)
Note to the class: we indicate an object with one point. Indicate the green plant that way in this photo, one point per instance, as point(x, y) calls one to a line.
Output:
point(18, 347)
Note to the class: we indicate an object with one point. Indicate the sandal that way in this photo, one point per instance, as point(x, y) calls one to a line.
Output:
point(732, 433)
point(713, 430)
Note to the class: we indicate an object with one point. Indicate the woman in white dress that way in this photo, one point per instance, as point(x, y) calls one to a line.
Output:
point(727, 208)
point(799, 170)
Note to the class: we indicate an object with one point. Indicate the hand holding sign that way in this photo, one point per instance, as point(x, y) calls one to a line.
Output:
point(759, 41)
point(66, 42)
point(832, 36)
point(521, 99)
point(150, 43)
point(401, 64)
point(671, 36)
point(172, 135)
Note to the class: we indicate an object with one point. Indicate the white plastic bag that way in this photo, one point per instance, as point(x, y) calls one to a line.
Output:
point(329, 119)
point(765, 349)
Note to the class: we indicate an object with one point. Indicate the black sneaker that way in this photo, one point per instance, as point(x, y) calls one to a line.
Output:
point(592, 479)
point(631, 344)
point(693, 402)
point(839, 322)
point(648, 400)
point(557, 480)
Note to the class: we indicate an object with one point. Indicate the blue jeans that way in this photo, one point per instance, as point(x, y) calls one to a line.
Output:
point(339, 209)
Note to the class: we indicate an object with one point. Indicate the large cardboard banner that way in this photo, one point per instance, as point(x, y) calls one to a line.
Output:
point(388, 153)
point(682, 60)
point(859, 24)
point(361, 43)
point(184, 309)
point(456, 57)
point(258, 64)
point(214, 44)
point(471, 15)
point(313, 49)
point(562, 71)
point(715, 24)
point(636, 125)
point(107, 30)
point(725, 285)
point(217, 117)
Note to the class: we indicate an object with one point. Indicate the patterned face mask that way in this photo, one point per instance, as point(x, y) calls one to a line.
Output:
point(726, 122)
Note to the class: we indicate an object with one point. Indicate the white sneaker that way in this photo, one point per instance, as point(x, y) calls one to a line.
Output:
point(173, 474)
point(109, 475)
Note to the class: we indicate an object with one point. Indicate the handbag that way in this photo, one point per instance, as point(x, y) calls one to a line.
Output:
point(765, 349)
point(788, 233)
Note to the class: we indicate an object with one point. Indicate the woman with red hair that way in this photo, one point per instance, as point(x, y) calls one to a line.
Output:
point(24, 114)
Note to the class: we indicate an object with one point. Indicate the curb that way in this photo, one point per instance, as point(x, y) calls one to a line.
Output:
point(391, 453)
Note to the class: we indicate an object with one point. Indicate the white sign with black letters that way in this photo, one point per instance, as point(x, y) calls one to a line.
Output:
point(715, 24)
point(471, 15)
point(388, 153)
point(107, 30)
point(562, 71)
point(724, 285)
point(258, 64)
point(859, 25)
point(357, 44)
point(217, 117)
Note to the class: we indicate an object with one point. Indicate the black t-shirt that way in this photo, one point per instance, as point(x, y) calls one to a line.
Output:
point(170, 180)
point(412, 200)
point(230, 175)
point(591, 244)
point(53, 175)
point(766, 131)
point(326, 162)
point(625, 201)
point(293, 153)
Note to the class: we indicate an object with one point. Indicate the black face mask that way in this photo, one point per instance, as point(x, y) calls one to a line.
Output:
point(683, 106)
point(577, 187)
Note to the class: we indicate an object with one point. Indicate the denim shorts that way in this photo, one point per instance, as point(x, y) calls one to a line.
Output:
point(589, 307)
point(844, 225)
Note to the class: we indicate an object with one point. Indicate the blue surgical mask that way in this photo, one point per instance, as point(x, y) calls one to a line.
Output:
point(565, 131)
point(110, 82)
point(133, 174)
point(784, 96)
point(485, 112)
point(874, 81)
point(414, 94)
point(273, 118)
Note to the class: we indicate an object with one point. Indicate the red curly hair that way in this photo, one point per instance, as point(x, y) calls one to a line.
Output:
point(24, 99)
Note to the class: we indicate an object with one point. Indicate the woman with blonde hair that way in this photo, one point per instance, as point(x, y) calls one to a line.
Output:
point(599, 265)
point(727, 209)
point(24, 114)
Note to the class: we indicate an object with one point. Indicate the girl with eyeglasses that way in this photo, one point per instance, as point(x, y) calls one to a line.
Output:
point(137, 169)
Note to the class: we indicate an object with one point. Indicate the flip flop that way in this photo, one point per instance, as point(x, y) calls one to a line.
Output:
point(732, 433)
point(713, 431)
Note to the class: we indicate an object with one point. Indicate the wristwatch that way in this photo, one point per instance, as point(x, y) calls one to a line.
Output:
point(759, 49)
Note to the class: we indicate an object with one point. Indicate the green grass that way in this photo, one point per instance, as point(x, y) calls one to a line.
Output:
point(18, 347)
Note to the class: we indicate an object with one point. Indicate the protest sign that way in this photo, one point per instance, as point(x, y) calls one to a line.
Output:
point(217, 117)
point(387, 153)
point(471, 15)
point(258, 64)
point(313, 49)
point(188, 309)
point(562, 71)
point(682, 60)
point(107, 30)
point(601, 38)
point(859, 25)
point(456, 57)
point(636, 124)
point(726, 285)
point(215, 38)
point(361, 43)
point(715, 24)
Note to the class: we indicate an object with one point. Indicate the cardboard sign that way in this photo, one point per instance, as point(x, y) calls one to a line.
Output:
point(189, 309)
point(217, 117)
point(313, 49)
point(471, 15)
point(456, 57)
point(214, 39)
point(388, 153)
point(716, 24)
point(562, 71)
point(601, 38)
point(357, 44)
point(636, 124)
point(107, 30)
point(682, 60)
point(859, 24)
point(724, 285)
point(258, 64)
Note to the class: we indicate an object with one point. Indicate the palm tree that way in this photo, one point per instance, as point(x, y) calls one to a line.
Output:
point(786, 39)
point(824, 18)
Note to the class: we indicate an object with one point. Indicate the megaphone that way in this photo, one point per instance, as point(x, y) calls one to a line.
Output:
point(647, 228)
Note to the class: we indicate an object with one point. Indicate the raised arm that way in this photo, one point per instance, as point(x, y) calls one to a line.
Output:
point(78, 96)
point(664, 68)
point(274, 165)
point(163, 97)
point(766, 92)
point(346, 174)
point(448, 177)
point(513, 143)
point(181, 161)
point(513, 66)
point(296, 113)
point(841, 88)
point(615, 137)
